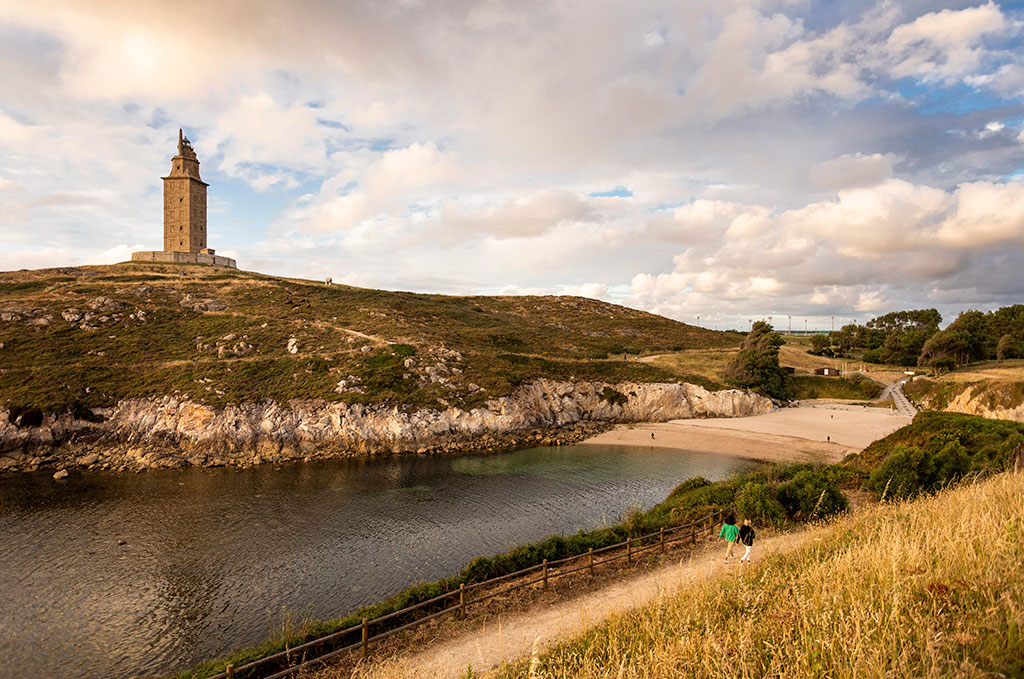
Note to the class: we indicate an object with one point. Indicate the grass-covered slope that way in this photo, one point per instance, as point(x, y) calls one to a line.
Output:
point(927, 588)
point(86, 337)
point(987, 442)
point(856, 387)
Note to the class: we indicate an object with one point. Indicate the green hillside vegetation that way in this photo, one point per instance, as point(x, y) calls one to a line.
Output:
point(937, 449)
point(79, 338)
point(855, 387)
point(914, 589)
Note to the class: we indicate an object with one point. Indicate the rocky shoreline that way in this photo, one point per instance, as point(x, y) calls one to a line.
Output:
point(169, 432)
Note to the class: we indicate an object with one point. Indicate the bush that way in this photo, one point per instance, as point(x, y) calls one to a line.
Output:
point(755, 502)
point(25, 416)
point(614, 397)
point(901, 474)
point(810, 495)
point(910, 470)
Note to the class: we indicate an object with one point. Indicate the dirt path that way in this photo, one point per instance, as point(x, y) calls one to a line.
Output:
point(511, 637)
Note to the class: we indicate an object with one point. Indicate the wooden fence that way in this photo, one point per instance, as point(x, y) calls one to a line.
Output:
point(289, 661)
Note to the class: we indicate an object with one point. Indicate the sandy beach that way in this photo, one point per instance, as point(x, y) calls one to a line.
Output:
point(822, 432)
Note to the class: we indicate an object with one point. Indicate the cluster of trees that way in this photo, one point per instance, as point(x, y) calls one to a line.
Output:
point(913, 337)
point(977, 336)
point(896, 338)
point(756, 366)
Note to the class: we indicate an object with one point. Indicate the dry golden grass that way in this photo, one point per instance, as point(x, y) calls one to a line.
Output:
point(708, 364)
point(930, 588)
point(1012, 371)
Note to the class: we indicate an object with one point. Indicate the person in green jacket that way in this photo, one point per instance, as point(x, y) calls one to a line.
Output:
point(729, 533)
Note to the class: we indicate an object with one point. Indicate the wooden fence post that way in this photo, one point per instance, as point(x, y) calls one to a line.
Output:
point(693, 532)
point(545, 573)
point(366, 637)
point(661, 535)
point(231, 671)
point(629, 549)
point(590, 554)
point(462, 599)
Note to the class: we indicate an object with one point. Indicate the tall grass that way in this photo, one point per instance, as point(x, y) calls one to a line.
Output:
point(930, 588)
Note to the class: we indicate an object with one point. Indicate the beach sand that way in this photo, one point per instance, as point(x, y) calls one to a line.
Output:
point(786, 435)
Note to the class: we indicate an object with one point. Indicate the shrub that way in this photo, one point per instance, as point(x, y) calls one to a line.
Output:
point(614, 397)
point(910, 470)
point(902, 474)
point(810, 495)
point(755, 502)
point(25, 416)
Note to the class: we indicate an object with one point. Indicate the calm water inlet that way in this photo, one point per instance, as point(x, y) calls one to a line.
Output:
point(214, 560)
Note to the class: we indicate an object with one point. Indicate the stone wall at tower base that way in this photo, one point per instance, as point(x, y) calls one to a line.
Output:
point(183, 258)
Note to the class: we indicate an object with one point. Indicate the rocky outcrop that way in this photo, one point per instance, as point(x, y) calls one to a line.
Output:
point(170, 432)
point(996, 399)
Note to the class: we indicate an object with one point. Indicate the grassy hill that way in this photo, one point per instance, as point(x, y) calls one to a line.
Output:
point(79, 338)
point(915, 589)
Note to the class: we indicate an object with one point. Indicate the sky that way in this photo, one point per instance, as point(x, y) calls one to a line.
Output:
point(711, 161)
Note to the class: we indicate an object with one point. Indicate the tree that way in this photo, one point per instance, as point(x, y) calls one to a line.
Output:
point(756, 366)
point(904, 347)
point(943, 350)
point(821, 345)
point(899, 321)
point(1007, 348)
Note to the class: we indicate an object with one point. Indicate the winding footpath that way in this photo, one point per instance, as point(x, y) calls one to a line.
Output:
point(509, 637)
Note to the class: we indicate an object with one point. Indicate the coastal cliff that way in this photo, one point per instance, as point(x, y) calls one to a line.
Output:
point(149, 433)
point(994, 399)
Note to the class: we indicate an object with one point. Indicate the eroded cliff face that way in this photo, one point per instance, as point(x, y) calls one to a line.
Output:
point(996, 399)
point(169, 432)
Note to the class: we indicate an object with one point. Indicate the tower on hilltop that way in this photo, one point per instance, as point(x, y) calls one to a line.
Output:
point(185, 202)
point(184, 214)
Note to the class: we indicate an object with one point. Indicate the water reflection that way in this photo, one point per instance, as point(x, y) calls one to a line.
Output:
point(212, 556)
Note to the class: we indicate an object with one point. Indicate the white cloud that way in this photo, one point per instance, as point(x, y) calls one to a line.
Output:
point(521, 217)
point(943, 45)
point(592, 290)
point(836, 252)
point(371, 189)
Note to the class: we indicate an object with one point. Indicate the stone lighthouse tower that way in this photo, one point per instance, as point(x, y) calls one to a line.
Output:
point(185, 202)
point(184, 214)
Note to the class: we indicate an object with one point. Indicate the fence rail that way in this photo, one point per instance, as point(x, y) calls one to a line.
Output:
point(547, 570)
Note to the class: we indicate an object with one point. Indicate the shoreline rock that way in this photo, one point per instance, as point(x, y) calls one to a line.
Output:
point(169, 432)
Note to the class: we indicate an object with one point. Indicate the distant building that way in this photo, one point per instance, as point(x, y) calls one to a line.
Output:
point(828, 372)
point(789, 370)
point(184, 214)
